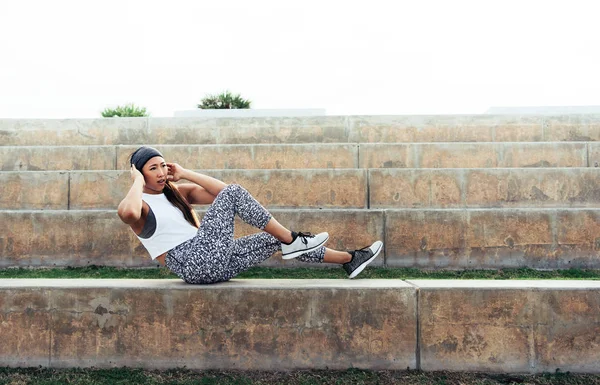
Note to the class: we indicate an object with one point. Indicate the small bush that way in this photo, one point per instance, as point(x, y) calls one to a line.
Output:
point(126, 111)
point(224, 100)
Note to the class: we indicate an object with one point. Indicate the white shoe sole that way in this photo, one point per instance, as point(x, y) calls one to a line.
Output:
point(298, 253)
point(376, 249)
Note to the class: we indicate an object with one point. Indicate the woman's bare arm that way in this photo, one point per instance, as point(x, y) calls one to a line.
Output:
point(210, 184)
point(130, 208)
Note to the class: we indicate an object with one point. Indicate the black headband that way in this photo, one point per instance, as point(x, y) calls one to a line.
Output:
point(143, 155)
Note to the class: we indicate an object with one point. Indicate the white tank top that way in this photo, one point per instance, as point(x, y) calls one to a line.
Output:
point(171, 227)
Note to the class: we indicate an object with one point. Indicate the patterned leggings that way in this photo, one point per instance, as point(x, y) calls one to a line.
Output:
point(213, 255)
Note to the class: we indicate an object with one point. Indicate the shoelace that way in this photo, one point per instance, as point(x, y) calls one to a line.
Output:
point(365, 249)
point(303, 237)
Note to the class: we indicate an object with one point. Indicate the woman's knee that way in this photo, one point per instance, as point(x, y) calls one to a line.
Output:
point(234, 187)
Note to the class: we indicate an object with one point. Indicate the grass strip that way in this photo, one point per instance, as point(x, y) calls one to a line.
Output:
point(306, 273)
point(42, 376)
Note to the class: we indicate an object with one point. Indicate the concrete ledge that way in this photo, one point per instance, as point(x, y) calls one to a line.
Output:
point(254, 156)
point(76, 190)
point(331, 188)
point(498, 187)
point(473, 155)
point(509, 326)
point(311, 156)
point(387, 188)
point(42, 158)
point(242, 324)
point(493, 238)
point(98, 237)
point(324, 129)
point(474, 128)
point(462, 325)
point(425, 238)
point(343, 189)
point(594, 155)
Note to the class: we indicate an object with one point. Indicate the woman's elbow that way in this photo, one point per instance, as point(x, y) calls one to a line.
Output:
point(127, 215)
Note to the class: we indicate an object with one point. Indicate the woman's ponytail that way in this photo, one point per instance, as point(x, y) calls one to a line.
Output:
point(174, 196)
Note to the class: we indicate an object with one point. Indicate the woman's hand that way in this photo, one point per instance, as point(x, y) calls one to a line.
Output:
point(175, 172)
point(136, 174)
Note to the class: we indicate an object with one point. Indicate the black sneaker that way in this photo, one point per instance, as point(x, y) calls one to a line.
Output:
point(361, 258)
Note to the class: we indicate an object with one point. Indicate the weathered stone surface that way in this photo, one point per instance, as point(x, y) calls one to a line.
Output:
point(444, 128)
point(564, 187)
point(51, 158)
point(594, 154)
point(473, 325)
point(578, 235)
point(284, 130)
point(572, 128)
point(272, 188)
point(472, 155)
point(414, 188)
point(98, 237)
point(426, 238)
point(254, 156)
point(512, 238)
point(24, 320)
point(492, 238)
point(567, 331)
point(242, 324)
point(71, 132)
point(388, 188)
point(544, 155)
point(98, 190)
point(133, 131)
point(496, 187)
point(429, 238)
point(67, 238)
point(499, 187)
point(34, 190)
point(509, 326)
point(322, 129)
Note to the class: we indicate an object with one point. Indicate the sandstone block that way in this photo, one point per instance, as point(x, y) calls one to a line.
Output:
point(272, 188)
point(509, 326)
point(254, 156)
point(98, 237)
point(34, 190)
point(242, 324)
point(51, 158)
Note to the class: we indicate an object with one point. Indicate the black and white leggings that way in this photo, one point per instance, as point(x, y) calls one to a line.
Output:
point(213, 255)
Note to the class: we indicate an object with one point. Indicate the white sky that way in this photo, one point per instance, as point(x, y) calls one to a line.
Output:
point(71, 59)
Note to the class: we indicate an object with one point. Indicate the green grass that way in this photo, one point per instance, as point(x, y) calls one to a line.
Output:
point(305, 273)
point(39, 376)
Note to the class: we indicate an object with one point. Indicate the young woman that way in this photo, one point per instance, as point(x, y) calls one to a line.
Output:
point(160, 214)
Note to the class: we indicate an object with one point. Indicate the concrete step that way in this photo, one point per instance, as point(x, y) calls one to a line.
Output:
point(340, 188)
point(488, 326)
point(320, 129)
point(15, 158)
point(478, 155)
point(508, 326)
point(330, 155)
point(499, 187)
point(426, 238)
point(98, 237)
point(250, 324)
point(105, 189)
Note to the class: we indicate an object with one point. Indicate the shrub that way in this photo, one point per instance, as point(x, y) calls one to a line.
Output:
point(224, 100)
point(128, 110)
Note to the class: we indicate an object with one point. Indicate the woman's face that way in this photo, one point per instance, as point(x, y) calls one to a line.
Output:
point(155, 174)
